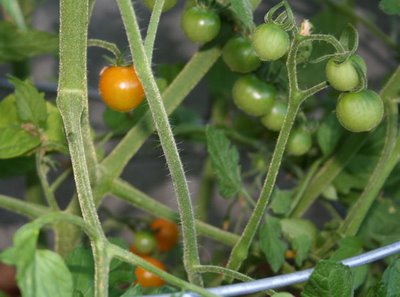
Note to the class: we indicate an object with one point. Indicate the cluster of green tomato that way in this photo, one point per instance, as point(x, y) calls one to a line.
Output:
point(243, 54)
point(357, 110)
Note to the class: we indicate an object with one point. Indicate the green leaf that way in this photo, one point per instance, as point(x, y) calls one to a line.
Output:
point(281, 201)
point(225, 162)
point(329, 279)
point(243, 12)
point(382, 225)
point(46, 276)
point(31, 106)
point(15, 141)
point(80, 263)
point(329, 134)
point(391, 280)
point(8, 112)
point(13, 9)
point(302, 246)
point(18, 45)
point(282, 294)
point(349, 247)
point(55, 129)
point(16, 166)
point(271, 243)
point(296, 227)
point(390, 6)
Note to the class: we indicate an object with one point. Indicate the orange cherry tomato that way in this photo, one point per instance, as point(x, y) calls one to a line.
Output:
point(148, 279)
point(120, 88)
point(166, 233)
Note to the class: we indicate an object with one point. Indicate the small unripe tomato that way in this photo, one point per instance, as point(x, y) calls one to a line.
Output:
point(270, 42)
point(299, 142)
point(274, 119)
point(360, 111)
point(166, 234)
point(200, 24)
point(148, 279)
point(239, 55)
point(168, 4)
point(253, 96)
point(120, 88)
point(145, 243)
point(343, 76)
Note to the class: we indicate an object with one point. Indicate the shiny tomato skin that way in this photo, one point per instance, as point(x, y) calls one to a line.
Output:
point(274, 119)
point(147, 279)
point(120, 88)
point(166, 234)
point(270, 42)
point(200, 24)
point(239, 55)
point(344, 76)
point(360, 111)
point(254, 96)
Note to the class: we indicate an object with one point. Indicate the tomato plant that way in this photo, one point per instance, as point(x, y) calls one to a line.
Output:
point(148, 279)
point(166, 234)
point(239, 55)
point(361, 111)
point(253, 95)
point(270, 42)
point(244, 202)
point(168, 4)
point(120, 88)
point(200, 24)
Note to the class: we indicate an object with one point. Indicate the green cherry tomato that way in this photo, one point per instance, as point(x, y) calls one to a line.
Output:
point(274, 119)
point(200, 24)
point(343, 76)
point(360, 111)
point(145, 242)
point(253, 96)
point(239, 55)
point(168, 4)
point(270, 42)
point(299, 142)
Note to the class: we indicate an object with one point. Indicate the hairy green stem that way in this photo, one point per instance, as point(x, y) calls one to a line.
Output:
point(152, 29)
point(160, 118)
point(111, 47)
point(296, 97)
point(73, 105)
point(240, 250)
point(31, 210)
point(222, 270)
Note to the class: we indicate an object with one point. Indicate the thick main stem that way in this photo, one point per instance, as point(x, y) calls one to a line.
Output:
point(72, 103)
point(160, 117)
